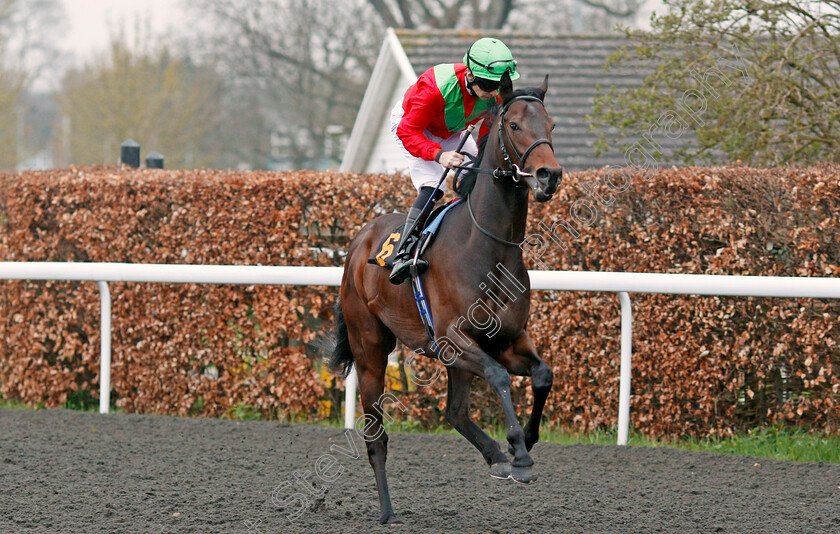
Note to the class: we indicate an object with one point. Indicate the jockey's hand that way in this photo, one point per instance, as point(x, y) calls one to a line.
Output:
point(451, 159)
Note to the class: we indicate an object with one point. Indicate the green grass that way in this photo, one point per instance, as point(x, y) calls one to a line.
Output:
point(11, 404)
point(80, 401)
point(779, 443)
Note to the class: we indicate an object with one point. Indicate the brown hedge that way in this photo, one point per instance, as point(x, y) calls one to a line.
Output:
point(702, 365)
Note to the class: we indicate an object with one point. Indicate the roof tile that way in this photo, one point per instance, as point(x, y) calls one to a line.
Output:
point(575, 65)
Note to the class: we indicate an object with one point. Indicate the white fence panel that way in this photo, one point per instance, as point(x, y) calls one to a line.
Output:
point(620, 283)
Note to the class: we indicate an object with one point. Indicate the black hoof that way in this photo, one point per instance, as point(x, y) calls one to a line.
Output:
point(390, 520)
point(500, 470)
point(523, 475)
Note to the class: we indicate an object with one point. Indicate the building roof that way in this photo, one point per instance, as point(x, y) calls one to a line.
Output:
point(574, 63)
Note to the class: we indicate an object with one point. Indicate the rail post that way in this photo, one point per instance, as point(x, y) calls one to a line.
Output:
point(626, 367)
point(350, 399)
point(104, 347)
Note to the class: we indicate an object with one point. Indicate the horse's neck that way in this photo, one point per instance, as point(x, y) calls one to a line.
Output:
point(499, 208)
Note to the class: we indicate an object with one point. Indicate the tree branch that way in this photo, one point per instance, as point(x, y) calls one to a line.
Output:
point(385, 12)
point(405, 11)
point(504, 12)
point(632, 7)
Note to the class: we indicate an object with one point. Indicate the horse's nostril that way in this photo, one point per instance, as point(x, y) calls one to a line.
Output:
point(548, 176)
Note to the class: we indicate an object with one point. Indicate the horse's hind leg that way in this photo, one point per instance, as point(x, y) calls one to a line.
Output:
point(371, 342)
point(522, 360)
point(458, 415)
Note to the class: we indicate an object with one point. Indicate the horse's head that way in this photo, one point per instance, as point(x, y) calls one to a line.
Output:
point(525, 138)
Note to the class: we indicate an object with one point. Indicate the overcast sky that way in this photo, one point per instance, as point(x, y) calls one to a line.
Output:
point(92, 22)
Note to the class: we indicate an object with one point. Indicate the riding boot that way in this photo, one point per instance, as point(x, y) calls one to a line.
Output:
point(416, 218)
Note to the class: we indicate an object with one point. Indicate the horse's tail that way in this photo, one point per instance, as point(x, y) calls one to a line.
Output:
point(337, 354)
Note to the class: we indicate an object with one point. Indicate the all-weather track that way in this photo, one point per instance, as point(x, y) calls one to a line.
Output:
point(65, 471)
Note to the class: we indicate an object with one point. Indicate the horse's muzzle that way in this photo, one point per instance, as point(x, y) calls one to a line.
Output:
point(547, 181)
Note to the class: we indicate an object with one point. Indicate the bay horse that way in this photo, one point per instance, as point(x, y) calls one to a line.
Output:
point(477, 241)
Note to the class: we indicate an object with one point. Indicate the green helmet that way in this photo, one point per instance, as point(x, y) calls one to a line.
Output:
point(489, 58)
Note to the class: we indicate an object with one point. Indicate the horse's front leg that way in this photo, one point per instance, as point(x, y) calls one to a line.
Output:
point(478, 362)
point(521, 359)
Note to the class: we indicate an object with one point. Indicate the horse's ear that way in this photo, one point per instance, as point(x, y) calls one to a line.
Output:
point(544, 86)
point(505, 85)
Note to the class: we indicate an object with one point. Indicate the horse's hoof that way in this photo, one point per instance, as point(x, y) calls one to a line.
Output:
point(523, 475)
point(500, 470)
point(528, 446)
point(390, 520)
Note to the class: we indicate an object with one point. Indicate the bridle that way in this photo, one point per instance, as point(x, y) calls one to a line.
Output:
point(513, 171)
point(504, 135)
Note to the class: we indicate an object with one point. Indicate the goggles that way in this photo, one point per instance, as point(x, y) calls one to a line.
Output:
point(497, 67)
point(486, 85)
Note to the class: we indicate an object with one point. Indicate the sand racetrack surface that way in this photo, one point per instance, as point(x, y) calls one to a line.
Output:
point(66, 471)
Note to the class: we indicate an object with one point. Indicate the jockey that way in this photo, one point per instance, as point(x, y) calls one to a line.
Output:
point(428, 123)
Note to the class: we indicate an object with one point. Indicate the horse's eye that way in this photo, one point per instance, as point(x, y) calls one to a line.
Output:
point(553, 126)
point(514, 126)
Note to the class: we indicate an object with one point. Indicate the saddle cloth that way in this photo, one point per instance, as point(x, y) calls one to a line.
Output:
point(386, 251)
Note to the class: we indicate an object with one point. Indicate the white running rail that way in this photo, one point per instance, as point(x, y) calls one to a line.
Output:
point(102, 273)
point(620, 283)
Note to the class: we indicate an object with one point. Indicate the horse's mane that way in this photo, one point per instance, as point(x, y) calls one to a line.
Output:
point(467, 181)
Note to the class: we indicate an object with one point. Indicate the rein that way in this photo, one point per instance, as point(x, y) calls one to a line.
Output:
point(516, 173)
point(488, 234)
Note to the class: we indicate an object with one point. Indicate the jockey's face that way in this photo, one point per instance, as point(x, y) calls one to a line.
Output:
point(482, 93)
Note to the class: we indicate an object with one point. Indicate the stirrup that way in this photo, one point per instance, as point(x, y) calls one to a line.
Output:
point(402, 269)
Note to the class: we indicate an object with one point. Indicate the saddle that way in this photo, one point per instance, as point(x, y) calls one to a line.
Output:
point(386, 251)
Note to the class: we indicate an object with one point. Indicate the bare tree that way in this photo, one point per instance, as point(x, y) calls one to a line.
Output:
point(527, 15)
point(27, 53)
point(166, 102)
point(616, 8)
point(573, 15)
point(305, 64)
point(26, 35)
point(306, 61)
point(443, 13)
